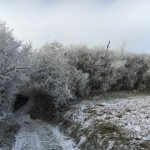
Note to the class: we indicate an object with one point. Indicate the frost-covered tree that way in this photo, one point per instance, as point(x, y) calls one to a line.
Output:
point(110, 70)
point(8, 54)
point(55, 75)
point(13, 62)
point(97, 62)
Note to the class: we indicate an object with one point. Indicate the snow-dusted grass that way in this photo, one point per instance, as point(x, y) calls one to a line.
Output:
point(65, 142)
point(116, 124)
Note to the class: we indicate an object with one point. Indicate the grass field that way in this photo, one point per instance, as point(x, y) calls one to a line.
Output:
point(112, 121)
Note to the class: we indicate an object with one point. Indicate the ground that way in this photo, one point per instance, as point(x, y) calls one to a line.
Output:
point(99, 123)
point(39, 135)
point(122, 123)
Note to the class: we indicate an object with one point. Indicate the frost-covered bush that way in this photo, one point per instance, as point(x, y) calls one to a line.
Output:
point(111, 70)
point(53, 74)
point(13, 64)
point(107, 70)
point(8, 54)
point(134, 72)
point(101, 65)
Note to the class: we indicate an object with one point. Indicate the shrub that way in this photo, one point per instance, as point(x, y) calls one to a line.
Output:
point(56, 76)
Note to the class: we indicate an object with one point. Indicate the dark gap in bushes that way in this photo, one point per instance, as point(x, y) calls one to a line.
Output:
point(20, 100)
point(43, 105)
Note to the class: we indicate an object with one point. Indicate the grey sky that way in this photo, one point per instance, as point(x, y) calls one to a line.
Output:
point(92, 22)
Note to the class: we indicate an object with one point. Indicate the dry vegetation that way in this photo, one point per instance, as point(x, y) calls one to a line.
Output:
point(111, 124)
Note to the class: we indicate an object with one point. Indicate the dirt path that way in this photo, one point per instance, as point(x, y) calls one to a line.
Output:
point(39, 135)
point(35, 135)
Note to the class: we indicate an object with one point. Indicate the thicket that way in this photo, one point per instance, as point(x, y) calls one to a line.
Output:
point(111, 70)
point(53, 74)
point(66, 72)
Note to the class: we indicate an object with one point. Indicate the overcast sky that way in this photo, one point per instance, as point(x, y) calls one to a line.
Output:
point(92, 22)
